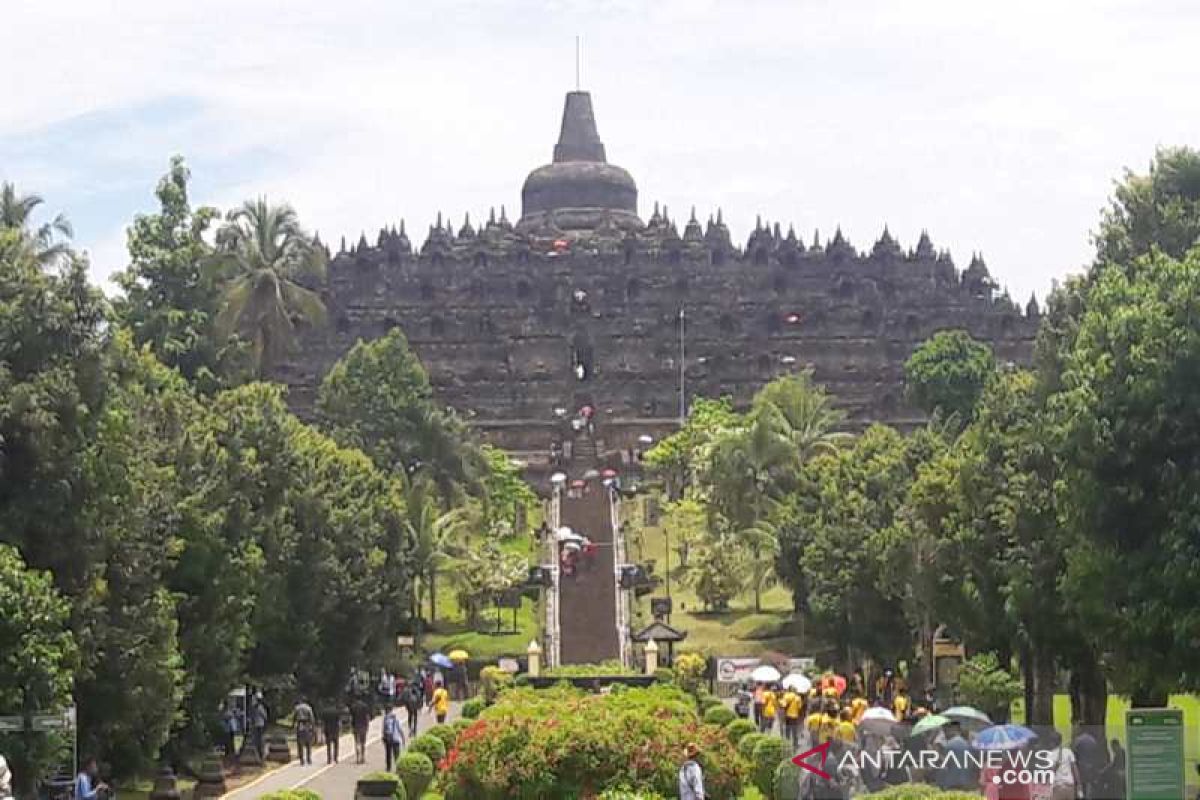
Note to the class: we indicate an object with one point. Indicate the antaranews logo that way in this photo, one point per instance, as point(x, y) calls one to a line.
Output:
point(1024, 766)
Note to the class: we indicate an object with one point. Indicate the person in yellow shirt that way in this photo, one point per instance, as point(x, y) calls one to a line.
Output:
point(815, 723)
point(858, 707)
point(793, 708)
point(770, 709)
point(901, 704)
point(439, 704)
point(846, 730)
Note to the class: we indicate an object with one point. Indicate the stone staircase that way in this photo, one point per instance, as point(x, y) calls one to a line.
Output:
point(587, 611)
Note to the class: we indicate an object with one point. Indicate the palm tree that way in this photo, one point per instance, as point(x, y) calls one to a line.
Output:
point(434, 536)
point(262, 254)
point(16, 212)
point(801, 416)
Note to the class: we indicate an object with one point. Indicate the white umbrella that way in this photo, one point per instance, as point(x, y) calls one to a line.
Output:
point(764, 674)
point(590, 474)
point(797, 683)
point(558, 477)
point(878, 718)
point(565, 534)
point(970, 717)
point(645, 438)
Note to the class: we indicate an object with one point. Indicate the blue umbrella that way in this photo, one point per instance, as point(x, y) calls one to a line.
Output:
point(441, 660)
point(1004, 737)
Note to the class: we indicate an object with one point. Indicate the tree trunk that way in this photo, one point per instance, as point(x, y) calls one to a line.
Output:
point(1040, 707)
point(1089, 697)
point(432, 597)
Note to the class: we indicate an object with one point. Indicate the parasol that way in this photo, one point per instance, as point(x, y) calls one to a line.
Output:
point(929, 722)
point(878, 719)
point(797, 683)
point(1003, 737)
point(558, 477)
point(968, 717)
point(764, 674)
point(458, 655)
point(441, 660)
point(590, 474)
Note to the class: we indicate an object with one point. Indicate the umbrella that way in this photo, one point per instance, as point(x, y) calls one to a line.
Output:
point(1004, 737)
point(565, 534)
point(609, 473)
point(578, 484)
point(764, 674)
point(458, 655)
point(441, 660)
point(558, 477)
point(591, 473)
point(797, 683)
point(878, 718)
point(970, 717)
point(929, 722)
point(645, 438)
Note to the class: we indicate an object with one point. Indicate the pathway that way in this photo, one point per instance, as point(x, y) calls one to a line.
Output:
point(332, 781)
point(588, 599)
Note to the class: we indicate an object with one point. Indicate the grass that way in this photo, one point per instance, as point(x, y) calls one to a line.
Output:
point(740, 631)
point(452, 632)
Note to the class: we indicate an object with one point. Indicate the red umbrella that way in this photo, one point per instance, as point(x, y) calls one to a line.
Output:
point(609, 473)
point(578, 484)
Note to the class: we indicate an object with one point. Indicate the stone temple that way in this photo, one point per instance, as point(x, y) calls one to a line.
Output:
point(582, 301)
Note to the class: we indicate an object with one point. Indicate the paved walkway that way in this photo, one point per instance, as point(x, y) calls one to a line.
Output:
point(332, 781)
point(587, 613)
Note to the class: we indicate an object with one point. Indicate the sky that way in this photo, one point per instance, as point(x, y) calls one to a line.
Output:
point(999, 127)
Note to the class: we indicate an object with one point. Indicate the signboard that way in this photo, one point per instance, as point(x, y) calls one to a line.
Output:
point(737, 670)
point(12, 724)
point(660, 607)
point(406, 641)
point(1154, 749)
point(49, 722)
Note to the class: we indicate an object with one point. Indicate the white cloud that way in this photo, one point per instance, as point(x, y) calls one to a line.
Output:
point(998, 127)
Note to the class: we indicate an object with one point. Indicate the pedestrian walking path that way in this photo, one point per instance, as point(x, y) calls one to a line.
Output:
point(332, 781)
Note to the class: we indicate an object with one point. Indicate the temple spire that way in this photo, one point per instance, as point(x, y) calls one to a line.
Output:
point(578, 139)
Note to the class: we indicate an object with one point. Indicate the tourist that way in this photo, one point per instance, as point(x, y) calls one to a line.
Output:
point(86, 786)
point(1065, 766)
point(439, 703)
point(770, 710)
point(691, 776)
point(901, 704)
point(957, 770)
point(816, 724)
point(306, 728)
point(5, 780)
point(393, 738)
point(229, 728)
point(1091, 758)
point(259, 716)
point(331, 728)
point(793, 709)
point(858, 707)
point(360, 720)
point(411, 700)
point(743, 704)
point(846, 730)
point(759, 691)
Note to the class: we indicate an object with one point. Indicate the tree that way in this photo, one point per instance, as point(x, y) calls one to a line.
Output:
point(377, 398)
point(676, 457)
point(1131, 487)
point(38, 655)
point(42, 243)
point(434, 537)
point(263, 256)
point(170, 298)
point(1160, 209)
point(947, 373)
point(716, 572)
point(986, 684)
point(482, 572)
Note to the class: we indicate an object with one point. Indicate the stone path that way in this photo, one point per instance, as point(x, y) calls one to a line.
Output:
point(587, 600)
point(332, 781)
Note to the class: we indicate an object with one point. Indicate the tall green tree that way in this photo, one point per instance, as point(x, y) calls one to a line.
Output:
point(946, 375)
point(264, 257)
point(44, 244)
point(1160, 209)
point(170, 298)
point(678, 456)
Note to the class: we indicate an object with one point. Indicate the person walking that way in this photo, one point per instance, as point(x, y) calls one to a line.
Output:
point(229, 728)
point(439, 704)
point(360, 720)
point(87, 784)
point(793, 709)
point(258, 719)
point(1066, 768)
point(770, 710)
point(331, 727)
point(759, 691)
point(305, 721)
point(411, 700)
point(393, 737)
point(691, 776)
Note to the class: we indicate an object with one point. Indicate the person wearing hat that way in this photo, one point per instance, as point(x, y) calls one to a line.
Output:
point(691, 776)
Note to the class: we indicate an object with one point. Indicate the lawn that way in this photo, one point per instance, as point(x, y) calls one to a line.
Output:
point(740, 631)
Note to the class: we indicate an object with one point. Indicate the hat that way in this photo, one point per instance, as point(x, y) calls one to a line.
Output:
point(691, 749)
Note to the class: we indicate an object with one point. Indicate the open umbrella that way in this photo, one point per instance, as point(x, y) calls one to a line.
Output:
point(968, 717)
point(565, 534)
point(878, 719)
point(797, 683)
point(558, 478)
point(578, 484)
point(929, 722)
point(441, 660)
point(764, 674)
point(458, 655)
point(609, 473)
point(645, 438)
point(590, 474)
point(1003, 737)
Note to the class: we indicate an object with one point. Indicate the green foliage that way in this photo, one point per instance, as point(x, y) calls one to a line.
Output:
point(169, 299)
point(415, 771)
point(739, 728)
point(920, 791)
point(503, 489)
point(787, 781)
point(717, 572)
point(37, 658)
point(447, 734)
point(689, 671)
point(986, 685)
point(564, 742)
point(44, 246)
point(611, 667)
point(719, 715)
point(677, 455)
point(629, 794)
point(492, 681)
point(292, 794)
point(1160, 209)
point(746, 745)
point(947, 373)
point(473, 707)
point(765, 760)
point(430, 745)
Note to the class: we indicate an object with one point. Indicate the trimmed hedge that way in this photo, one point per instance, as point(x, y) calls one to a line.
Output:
point(416, 772)
point(739, 727)
point(472, 708)
point(719, 715)
point(446, 733)
point(787, 781)
point(747, 743)
point(430, 745)
point(764, 761)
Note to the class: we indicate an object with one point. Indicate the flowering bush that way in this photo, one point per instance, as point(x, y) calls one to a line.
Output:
point(561, 742)
point(431, 746)
point(492, 681)
point(689, 671)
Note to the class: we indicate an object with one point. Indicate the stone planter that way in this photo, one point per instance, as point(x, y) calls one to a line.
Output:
point(165, 787)
point(211, 780)
point(278, 749)
point(366, 789)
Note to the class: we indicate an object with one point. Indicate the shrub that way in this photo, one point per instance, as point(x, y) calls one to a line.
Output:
point(920, 791)
point(563, 742)
point(446, 733)
point(738, 728)
point(747, 743)
point(719, 715)
point(416, 772)
point(292, 794)
point(689, 671)
point(431, 746)
point(460, 725)
point(664, 675)
point(787, 781)
point(706, 701)
point(629, 794)
point(493, 681)
point(764, 761)
point(473, 707)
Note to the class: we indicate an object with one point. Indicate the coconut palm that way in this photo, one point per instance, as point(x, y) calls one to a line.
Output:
point(262, 255)
point(43, 243)
point(802, 416)
point(434, 536)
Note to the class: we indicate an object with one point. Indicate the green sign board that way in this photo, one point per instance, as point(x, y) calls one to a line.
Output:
point(12, 724)
point(1154, 748)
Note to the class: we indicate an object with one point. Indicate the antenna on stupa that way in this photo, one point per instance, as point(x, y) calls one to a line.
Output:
point(578, 63)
